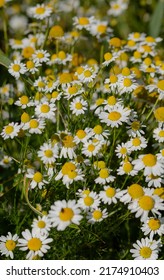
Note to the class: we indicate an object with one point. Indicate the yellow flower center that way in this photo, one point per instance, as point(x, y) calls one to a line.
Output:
point(30, 64)
point(61, 55)
point(123, 150)
point(16, 67)
point(98, 129)
point(100, 164)
point(131, 43)
point(97, 214)
point(27, 52)
point(48, 153)
point(34, 123)
point(80, 134)
point(107, 56)
point(40, 10)
point(91, 147)
point(67, 167)
point(135, 191)
point(159, 114)
point(154, 224)
point(10, 245)
point(159, 192)
point(38, 177)
point(78, 106)
point(147, 49)
point(113, 79)
point(45, 108)
point(147, 61)
point(41, 84)
point(160, 85)
point(135, 125)
point(65, 78)
point(66, 214)
point(137, 54)
point(72, 90)
point(127, 82)
point(136, 142)
point(99, 101)
point(9, 129)
point(110, 192)
point(68, 142)
point(40, 55)
point(83, 21)
point(34, 244)
point(25, 117)
point(86, 192)
point(112, 100)
point(127, 167)
point(104, 173)
point(72, 174)
point(101, 28)
point(115, 42)
point(41, 224)
point(161, 133)
point(88, 200)
point(149, 39)
point(146, 202)
point(149, 160)
point(145, 252)
point(54, 94)
point(114, 116)
point(125, 71)
point(24, 100)
point(87, 73)
point(56, 31)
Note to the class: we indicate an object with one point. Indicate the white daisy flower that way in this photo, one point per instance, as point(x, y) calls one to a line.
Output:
point(89, 201)
point(96, 215)
point(91, 148)
point(37, 179)
point(10, 131)
point(148, 203)
point(40, 84)
point(69, 174)
point(88, 74)
point(122, 150)
point(48, 153)
point(146, 249)
point(24, 102)
point(135, 128)
point(81, 136)
point(153, 226)
point(78, 106)
point(104, 176)
point(158, 134)
point(126, 167)
point(109, 58)
point(134, 191)
point(6, 161)
point(116, 116)
point(154, 181)
point(41, 225)
point(64, 213)
point(150, 164)
point(34, 126)
point(32, 66)
point(110, 195)
point(17, 68)
point(40, 11)
point(83, 22)
point(127, 85)
point(137, 143)
point(46, 110)
point(73, 89)
point(111, 84)
point(117, 7)
point(8, 244)
point(100, 29)
point(68, 147)
point(40, 56)
point(35, 243)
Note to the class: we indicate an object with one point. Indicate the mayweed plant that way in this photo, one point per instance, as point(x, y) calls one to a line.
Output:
point(82, 133)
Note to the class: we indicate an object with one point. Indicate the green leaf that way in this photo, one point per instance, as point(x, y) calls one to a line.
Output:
point(156, 19)
point(4, 60)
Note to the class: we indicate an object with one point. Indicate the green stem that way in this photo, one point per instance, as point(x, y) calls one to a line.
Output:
point(152, 110)
point(26, 188)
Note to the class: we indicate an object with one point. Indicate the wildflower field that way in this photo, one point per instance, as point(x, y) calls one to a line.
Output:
point(81, 130)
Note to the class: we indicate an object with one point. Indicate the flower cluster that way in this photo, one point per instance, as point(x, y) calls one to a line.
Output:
point(84, 133)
